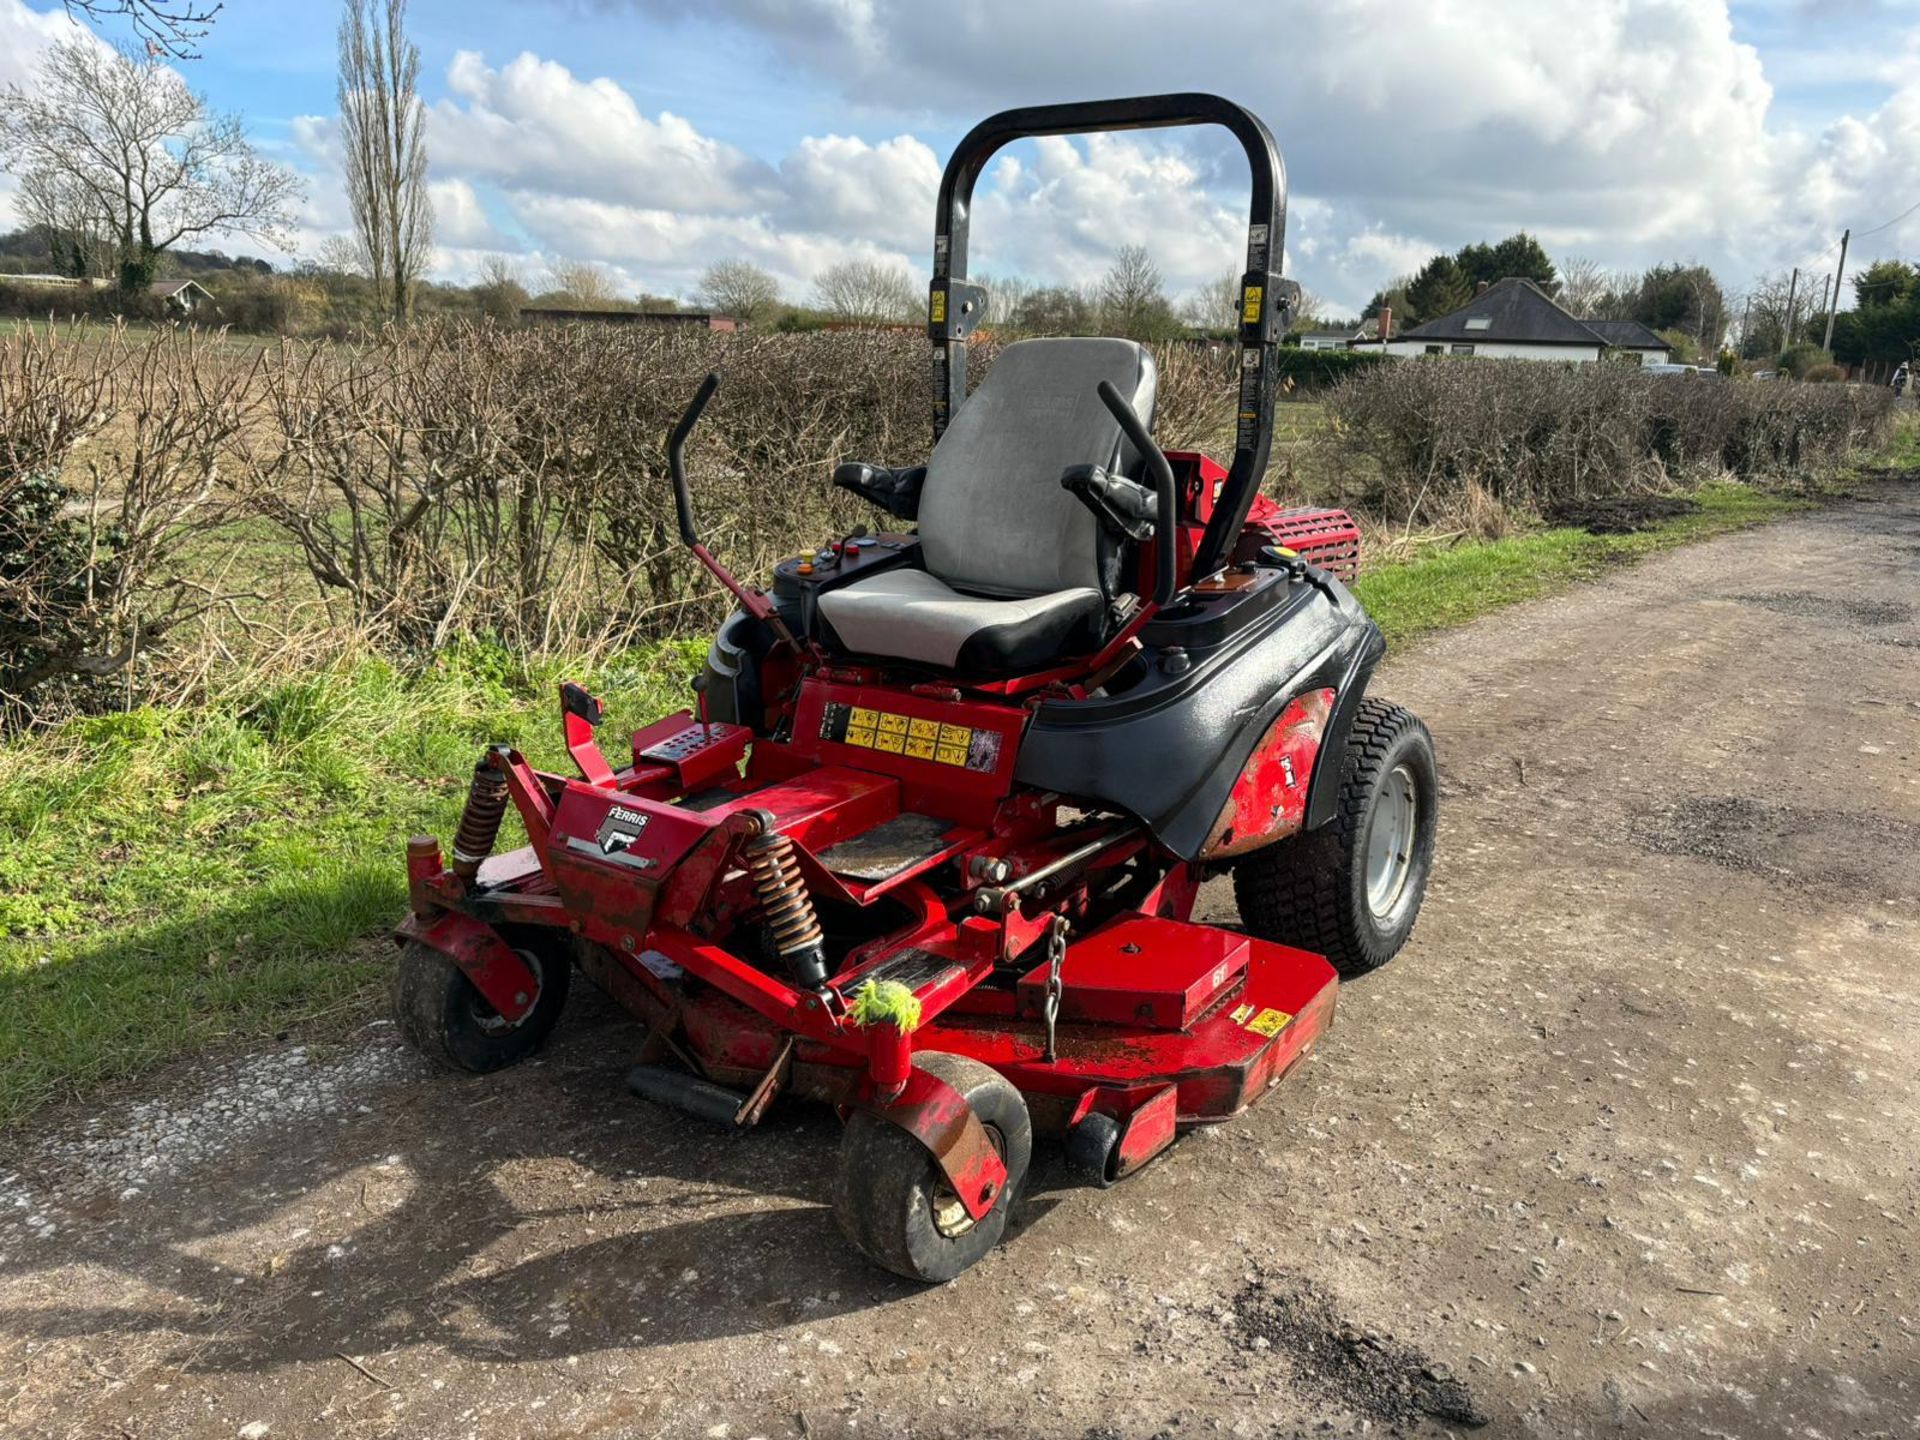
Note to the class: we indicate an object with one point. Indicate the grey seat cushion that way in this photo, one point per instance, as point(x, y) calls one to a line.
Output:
point(911, 615)
point(993, 518)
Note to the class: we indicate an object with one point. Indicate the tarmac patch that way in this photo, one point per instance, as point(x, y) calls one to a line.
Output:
point(1363, 1369)
point(1805, 605)
point(1837, 851)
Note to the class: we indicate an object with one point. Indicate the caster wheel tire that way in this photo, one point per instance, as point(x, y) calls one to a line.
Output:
point(446, 1019)
point(1093, 1148)
point(895, 1206)
point(1351, 890)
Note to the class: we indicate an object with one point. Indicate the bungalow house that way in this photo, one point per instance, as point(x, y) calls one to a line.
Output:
point(1630, 337)
point(1326, 339)
point(1512, 320)
point(182, 297)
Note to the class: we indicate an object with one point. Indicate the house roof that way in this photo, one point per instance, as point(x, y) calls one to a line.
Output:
point(1516, 311)
point(167, 289)
point(1626, 334)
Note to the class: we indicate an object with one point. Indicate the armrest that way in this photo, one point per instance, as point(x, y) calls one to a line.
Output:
point(895, 491)
point(1124, 506)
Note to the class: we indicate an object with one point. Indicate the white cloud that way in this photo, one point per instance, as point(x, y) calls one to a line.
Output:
point(459, 219)
point(25, 36)
point(533, 125)
point(1634, 130)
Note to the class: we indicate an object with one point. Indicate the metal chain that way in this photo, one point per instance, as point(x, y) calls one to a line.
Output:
point(1056, 957)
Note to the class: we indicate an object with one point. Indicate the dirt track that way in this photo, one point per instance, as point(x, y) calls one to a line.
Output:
point(1625, 1143)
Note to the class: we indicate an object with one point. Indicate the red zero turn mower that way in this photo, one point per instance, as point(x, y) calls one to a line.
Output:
point(929, 848)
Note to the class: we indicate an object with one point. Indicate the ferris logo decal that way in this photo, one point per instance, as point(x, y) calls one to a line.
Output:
point(620, 829)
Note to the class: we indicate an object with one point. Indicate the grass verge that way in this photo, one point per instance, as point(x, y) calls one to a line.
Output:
point(1409, 598)
point(172, 879)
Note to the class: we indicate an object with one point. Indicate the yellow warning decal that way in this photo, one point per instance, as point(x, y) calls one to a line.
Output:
point(1269, 1022)
point(937, 307)
point(922, 736)
point(938, 743)
point(1250, 304)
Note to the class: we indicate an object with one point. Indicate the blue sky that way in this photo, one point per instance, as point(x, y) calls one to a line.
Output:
point(653, 136)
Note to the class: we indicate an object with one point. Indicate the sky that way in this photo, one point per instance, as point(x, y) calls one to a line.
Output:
point(657, 136)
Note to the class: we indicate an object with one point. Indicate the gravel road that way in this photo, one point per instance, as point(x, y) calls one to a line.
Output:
point(1625, 1143)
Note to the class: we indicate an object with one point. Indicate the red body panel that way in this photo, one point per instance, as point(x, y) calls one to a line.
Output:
point(1141, 971)
point(1269, 799)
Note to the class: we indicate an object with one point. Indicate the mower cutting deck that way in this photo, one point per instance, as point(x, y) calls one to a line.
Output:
point(928, 850)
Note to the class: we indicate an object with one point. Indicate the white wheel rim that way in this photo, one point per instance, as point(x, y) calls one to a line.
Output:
point(1389, 843)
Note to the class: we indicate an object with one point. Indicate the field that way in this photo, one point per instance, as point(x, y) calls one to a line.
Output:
point(209, 857)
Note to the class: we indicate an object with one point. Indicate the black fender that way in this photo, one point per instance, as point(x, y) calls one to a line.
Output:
point(1169, 746)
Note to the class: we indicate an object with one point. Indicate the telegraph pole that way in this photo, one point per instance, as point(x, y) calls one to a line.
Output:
point(1793, 284)
point(1838, 271)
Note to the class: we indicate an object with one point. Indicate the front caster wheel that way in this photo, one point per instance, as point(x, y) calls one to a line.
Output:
point(447, 1020)
point(895, 1206)
point(1351, 890)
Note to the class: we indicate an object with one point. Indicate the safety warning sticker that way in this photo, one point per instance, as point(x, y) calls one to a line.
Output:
point(1269, 1022)
point(916, 738)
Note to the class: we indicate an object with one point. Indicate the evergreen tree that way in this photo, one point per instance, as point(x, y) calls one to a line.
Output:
point(1438, 289)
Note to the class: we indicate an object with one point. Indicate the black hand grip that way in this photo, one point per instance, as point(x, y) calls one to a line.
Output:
point(1167, 555)
point(677, 455)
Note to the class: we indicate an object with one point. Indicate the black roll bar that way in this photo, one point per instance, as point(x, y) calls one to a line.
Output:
point(1166, 520)
point(955, 306)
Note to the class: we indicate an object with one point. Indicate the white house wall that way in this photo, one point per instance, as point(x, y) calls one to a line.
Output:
point(1494, 350)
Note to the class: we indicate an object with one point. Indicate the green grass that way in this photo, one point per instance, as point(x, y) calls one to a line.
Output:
point(1451, 586)
point(173, 879)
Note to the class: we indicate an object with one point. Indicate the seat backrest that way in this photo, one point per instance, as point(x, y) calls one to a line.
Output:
point(993, 516)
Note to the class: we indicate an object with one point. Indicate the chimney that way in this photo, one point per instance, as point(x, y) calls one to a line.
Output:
point(1480, 289)
point(1386, 323)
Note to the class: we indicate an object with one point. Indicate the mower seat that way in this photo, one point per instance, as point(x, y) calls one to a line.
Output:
point(1019, 572)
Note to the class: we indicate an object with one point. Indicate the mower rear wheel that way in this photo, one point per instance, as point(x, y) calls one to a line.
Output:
point(892, 1201)
point(1351, 890)
point(443, 1016)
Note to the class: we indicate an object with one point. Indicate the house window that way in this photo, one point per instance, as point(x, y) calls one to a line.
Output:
point(1436, 349)
point(1480, 322)
point(1462, 349)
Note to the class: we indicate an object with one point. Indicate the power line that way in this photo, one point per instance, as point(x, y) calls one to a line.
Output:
point(1895, 221)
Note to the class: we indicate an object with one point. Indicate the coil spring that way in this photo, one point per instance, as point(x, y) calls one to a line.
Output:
point(785, 904)
point(479, 821)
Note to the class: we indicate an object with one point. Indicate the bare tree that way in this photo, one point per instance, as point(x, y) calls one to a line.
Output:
point(582, 284)
point(866, 292)
point(153, 164)
point(1133, 298)
point(172, 28)
point(382, 127)
point(69, 219)
point(739, 288)
point(338, 255)
point(1215, 305)
point(1005, 295)
point(1583, 282)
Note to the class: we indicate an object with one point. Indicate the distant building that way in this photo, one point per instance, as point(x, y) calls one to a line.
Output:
point(1326, 339)
point(183, 297)
point(694, 319)
point(1517, 320)
point(1630, 337)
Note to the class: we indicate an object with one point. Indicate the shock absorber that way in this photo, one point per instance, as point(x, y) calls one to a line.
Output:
point(786, 906)
point(480, 820)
